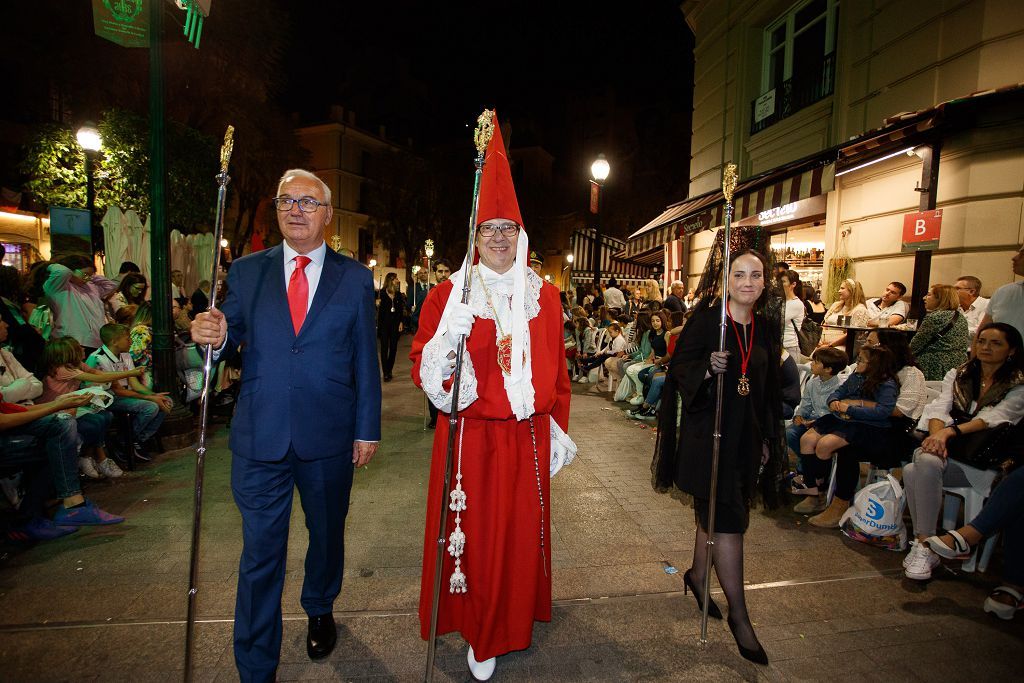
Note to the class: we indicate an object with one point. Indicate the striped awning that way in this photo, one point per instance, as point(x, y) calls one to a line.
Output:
point(784, 185)
point(612, 265)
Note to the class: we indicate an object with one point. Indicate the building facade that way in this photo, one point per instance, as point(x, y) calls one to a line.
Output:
point(844, 117)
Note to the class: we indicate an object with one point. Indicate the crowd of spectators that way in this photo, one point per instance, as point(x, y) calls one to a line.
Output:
point(75, 354)
point(915, 400)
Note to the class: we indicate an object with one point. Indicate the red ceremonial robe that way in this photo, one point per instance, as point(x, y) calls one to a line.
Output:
point(508, 576)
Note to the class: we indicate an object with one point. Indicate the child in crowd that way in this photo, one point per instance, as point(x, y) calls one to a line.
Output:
point(826, 364)
point(65, 373)
point(859, 416)
point(146, 407)
point(614, 346)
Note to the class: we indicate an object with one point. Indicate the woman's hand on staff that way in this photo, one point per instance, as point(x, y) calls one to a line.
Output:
point(210, 327)
point(719, 362)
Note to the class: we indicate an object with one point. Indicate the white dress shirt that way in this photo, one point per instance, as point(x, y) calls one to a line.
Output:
point(974, 313)
point(313, 268)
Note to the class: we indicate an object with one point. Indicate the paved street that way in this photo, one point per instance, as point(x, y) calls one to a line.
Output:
point(109, 603)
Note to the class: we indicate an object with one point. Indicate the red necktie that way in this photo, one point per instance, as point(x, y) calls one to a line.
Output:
point(298, 292)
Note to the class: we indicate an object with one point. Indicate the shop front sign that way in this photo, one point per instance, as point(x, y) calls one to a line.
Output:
point(696, 222)
point(921, 230)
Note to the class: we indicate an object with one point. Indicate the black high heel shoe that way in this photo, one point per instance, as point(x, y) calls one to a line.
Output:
point(758, 656)
point(713, 610)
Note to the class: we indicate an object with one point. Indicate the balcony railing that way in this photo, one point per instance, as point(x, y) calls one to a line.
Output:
point(802, 90)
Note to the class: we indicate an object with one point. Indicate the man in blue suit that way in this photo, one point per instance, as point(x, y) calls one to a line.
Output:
point(308, 412)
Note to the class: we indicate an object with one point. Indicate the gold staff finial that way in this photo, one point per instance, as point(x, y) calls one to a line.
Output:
point(484, 131)
point(225, 150)
point(729, 182)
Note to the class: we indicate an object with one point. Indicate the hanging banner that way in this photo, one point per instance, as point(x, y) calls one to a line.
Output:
point(595, 196)
point(124, 22)
point(921, 230)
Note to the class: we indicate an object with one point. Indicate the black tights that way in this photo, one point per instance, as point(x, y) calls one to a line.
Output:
point(728, 563)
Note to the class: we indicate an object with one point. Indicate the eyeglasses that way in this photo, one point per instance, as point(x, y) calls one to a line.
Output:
point(507, 229)
point(306, 204)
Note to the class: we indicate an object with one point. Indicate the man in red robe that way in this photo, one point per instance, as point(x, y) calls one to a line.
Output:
point(513, 416)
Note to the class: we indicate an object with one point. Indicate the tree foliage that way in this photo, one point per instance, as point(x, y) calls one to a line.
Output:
point(55, 166)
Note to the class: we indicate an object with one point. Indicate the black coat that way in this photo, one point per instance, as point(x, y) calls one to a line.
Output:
point(746, 420)
point(390, 313)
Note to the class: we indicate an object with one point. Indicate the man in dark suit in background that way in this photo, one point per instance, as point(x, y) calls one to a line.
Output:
point(308, 412)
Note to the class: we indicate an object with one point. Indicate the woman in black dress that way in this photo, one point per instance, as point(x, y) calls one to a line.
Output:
point(390, 314)
point(750, 420)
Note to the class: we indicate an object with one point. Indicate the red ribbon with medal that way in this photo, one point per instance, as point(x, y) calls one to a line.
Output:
point(743, 388)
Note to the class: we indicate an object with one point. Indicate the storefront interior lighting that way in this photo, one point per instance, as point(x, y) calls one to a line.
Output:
point(798, 246)
point(908, 151)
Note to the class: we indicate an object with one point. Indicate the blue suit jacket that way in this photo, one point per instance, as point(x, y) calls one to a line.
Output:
point(317, 391)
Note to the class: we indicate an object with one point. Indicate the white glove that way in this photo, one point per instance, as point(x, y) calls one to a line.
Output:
point(460, 321)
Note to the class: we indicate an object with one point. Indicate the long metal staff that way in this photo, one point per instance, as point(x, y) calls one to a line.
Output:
point(481, 137)
point(204, 404)
point(728, 187)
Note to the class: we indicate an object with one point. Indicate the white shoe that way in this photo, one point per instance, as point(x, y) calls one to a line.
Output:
point(12, 489)
point(87, 466)
point(921, 564)
point(636, 399)
point(583, 380)
point(109, 469)
point(912, 554)
point(481, 671)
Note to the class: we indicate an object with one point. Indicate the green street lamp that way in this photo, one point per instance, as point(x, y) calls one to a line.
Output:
point(599, 171)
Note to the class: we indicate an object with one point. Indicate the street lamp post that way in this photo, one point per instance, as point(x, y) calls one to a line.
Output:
point(599, 172)
point(90, 141)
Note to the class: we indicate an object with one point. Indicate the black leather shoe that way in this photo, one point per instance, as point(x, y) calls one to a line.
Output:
point(322, 636)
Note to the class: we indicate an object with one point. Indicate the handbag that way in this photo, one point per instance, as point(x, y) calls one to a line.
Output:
point(808, 335)
point(876, 516)
point(989, 448)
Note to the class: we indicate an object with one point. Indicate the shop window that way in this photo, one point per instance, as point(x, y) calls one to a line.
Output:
point(798, 64)
point(15, 254)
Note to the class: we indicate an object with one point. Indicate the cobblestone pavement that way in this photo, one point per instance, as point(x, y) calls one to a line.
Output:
point(109, 603)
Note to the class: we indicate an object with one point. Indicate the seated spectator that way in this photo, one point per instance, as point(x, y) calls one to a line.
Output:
point(126, 315)
point(126, 268)
point(181, 310)
point(850, 302)
point(653, 355)
point(859, 415)
point(141, 348)
point(615, 344)
point(65, 372)
point(983, 393)
point(674, 301)
point(635, 352)
point(146, 408)
point(75, 294)
point(812, 303)
point(651, 291)
point(1002, 512)
point(973, 305)
point(131, 290)
point(648, 410)
point(17, 385)
point(53, 426)
point(1007, 302)
point(201, 298)
point(889, 310)
point(899, 442)
point(178, 285)
point(826, 366)
point(940, 343)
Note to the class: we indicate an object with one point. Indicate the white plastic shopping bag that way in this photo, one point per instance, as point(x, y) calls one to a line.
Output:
point(876, 516)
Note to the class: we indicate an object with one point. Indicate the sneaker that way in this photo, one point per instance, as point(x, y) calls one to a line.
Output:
point(921, 564)
point(649, 414)
point(109, 469)
point(39, 529)
point(915, 548)
point(583, 380)
point(141, 453)
point(87, 466)
point(84, 515)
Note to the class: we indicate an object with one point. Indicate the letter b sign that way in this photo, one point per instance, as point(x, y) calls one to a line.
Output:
point(921, 230)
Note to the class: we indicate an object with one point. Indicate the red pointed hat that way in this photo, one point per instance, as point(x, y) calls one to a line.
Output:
point(497, 194)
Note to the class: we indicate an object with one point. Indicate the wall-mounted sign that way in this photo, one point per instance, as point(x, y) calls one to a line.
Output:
point(764, 106)
point(921, 230)
point(696, 223)
point(70, 232)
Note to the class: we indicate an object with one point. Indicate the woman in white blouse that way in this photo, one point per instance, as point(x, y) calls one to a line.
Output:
point(851, 302)
point(983, 393)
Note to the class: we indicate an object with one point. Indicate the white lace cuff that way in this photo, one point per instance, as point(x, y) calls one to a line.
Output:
point(435, 368)
point(563, 449)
